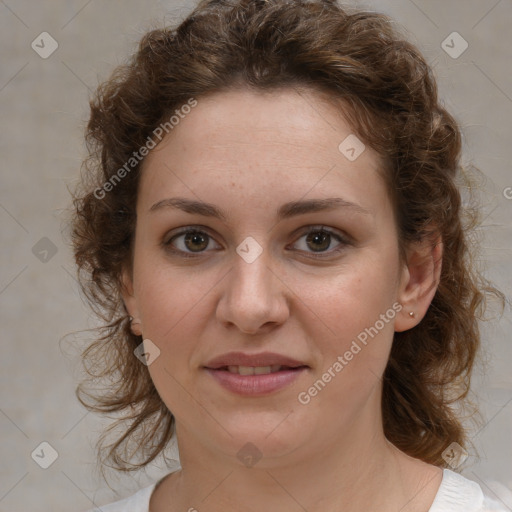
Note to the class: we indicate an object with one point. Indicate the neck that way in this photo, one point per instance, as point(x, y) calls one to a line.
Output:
point(359, 470)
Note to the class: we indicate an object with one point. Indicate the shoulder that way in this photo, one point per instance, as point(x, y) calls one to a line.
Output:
point(138, 502)
point(458, 493)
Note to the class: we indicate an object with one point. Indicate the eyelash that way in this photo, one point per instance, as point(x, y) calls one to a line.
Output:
point(312, 229)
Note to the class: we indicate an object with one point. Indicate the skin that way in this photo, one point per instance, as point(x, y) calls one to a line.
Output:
point(248, 153)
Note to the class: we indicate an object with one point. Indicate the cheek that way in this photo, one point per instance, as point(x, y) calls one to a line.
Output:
point(353, 319)
point(165, 293)
point(171, 311)
point(352, 361)
point(165, 302)
point(351, 299)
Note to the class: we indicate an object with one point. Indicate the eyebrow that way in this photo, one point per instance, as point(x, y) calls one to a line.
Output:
point(286, 211)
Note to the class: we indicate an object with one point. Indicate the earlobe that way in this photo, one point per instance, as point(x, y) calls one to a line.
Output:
point(135, 326)
point(130, 302)
point(419, 282)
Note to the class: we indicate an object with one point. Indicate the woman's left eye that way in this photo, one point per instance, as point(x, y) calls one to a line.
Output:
point(321, 238)
point(316, 237)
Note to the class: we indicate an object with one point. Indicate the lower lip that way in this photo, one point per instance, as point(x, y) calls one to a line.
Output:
point(255, 385)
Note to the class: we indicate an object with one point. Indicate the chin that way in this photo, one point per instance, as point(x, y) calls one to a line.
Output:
point(263, 436)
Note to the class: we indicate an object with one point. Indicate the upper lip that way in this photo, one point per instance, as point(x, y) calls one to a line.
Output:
point(262, 359)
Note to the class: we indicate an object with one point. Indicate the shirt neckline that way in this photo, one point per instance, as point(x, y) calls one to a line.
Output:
point(455, 493)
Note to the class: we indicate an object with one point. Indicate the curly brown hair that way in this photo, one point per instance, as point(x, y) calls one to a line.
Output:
point(389, 96)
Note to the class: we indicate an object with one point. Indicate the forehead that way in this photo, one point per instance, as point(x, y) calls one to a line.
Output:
point(268, 144)
point(302, 118)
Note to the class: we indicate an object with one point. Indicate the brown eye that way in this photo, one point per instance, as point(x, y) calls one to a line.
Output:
point(319, 240)
point(196, 240)
point(188, 242)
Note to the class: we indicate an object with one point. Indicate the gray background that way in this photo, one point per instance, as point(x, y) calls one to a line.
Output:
point(44, 105)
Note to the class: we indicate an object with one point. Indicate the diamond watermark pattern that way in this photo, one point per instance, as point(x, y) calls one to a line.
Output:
point(454, 455)
point(44, 45)
point(454, 45)
point(44, 455)
point(44, 250)
point(249, 249)
point(351, 147)
point(147, 352)
point(249, 454)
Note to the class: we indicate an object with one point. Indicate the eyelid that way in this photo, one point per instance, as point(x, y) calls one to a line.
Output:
point(186, 229)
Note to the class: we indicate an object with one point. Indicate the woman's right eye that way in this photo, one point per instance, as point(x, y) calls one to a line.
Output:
point(189, 242)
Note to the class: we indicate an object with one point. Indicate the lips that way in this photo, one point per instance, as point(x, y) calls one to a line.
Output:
point(254, 370)
point(254, 375)
point(263, 359)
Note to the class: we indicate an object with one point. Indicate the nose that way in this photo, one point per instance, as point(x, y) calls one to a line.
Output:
point(255, 297)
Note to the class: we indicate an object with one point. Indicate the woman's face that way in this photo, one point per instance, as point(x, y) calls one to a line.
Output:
point(251, 288)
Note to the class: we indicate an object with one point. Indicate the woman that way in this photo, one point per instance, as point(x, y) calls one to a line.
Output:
point(271, 230)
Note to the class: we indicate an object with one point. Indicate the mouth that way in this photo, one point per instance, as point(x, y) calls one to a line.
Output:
point(254, 375)
point(257, 370)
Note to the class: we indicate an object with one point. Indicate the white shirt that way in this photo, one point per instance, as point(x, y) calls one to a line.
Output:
point(455, 494)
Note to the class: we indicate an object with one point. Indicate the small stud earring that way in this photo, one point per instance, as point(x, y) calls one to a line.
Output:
point(411, 313)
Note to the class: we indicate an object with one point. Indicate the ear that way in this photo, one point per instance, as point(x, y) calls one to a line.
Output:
point(419, 281)
point(130, 302)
